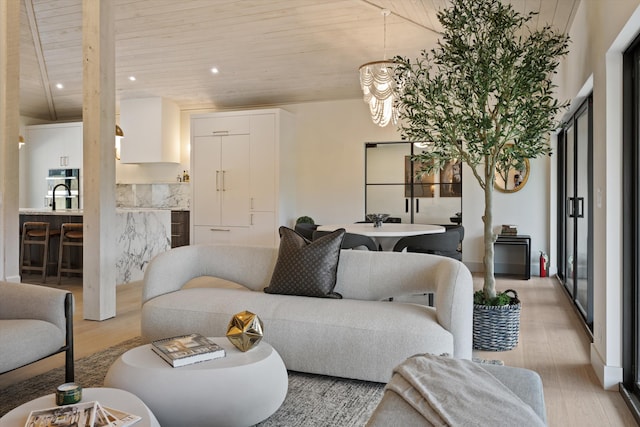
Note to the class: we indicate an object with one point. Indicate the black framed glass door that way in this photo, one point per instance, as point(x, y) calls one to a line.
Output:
point(392, 186)
point(630, 229)
point(575, 167)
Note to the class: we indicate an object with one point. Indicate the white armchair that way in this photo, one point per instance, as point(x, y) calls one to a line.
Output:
point(35, 322)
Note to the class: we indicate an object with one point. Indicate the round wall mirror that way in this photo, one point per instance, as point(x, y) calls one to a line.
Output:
point(511, 177)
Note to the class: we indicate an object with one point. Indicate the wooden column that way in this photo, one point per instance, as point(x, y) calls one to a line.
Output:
point(98, 116)
point(9, 127)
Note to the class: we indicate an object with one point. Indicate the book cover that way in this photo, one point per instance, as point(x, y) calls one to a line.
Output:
point(117, 418)
point(79, 414)
point(187, 349)
point(509, 230)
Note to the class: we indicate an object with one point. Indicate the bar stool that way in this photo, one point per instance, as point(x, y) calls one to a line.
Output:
point(70, 235)
point(38, 234)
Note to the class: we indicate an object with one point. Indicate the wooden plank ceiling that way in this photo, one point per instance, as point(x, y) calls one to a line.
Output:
point(267, 51)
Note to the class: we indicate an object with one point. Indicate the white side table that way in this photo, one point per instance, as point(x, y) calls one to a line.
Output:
point(113, 398)
point(240, 389)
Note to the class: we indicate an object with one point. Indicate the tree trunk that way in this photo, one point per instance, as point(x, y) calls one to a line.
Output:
point(489, 239)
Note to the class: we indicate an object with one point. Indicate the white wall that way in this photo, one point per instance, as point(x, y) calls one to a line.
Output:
point(527, 208)
point(330, 151)
point(600, 33)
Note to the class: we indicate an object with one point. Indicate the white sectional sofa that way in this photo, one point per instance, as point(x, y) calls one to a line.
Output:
point(363, 336)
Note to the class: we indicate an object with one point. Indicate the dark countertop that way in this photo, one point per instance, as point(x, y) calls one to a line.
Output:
point(48, 211)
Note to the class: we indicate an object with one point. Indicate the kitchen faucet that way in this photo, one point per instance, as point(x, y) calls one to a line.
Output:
point(53, 199)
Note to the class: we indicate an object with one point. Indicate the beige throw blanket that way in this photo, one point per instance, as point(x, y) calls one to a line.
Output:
point(457, 392)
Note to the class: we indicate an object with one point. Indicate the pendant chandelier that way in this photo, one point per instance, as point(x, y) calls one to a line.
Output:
point(377, 80)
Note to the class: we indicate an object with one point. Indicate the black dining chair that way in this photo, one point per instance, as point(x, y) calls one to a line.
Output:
point(444, 244)
point(306, 230)
point(352, 240)
point(459, 229)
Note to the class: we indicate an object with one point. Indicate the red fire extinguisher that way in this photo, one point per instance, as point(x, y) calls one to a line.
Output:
point(543, 264)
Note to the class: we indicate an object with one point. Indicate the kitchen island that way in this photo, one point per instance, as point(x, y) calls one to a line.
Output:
point(140, 234)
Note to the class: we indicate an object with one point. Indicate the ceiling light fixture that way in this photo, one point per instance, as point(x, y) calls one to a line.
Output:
point(377, 80)
point(132, 78)
point(59, 85)
point(119, 136)
point(215, 70)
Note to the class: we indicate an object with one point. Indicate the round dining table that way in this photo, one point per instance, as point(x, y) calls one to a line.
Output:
point(388, 234)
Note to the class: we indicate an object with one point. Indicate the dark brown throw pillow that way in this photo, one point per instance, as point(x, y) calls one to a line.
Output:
point(306, 268)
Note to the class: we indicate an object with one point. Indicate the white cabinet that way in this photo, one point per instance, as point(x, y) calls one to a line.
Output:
point(220, 235)
point(263, 229)
point(259, 232)
point(221, 125)
point(263, 164)
point(242, 176)
point(51, 146)
point(222, 185)
point(151, 129)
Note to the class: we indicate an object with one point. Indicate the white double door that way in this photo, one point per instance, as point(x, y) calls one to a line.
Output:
point(234, 175)
point(222, 189)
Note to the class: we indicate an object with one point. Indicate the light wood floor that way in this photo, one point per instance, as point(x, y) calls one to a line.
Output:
point(552, 342)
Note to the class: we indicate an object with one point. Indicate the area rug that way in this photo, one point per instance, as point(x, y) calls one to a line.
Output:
point(312, 400)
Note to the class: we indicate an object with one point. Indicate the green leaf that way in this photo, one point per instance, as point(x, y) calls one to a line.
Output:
point(484, 94)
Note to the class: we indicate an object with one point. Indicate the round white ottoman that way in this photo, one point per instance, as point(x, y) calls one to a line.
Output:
point(240, 389)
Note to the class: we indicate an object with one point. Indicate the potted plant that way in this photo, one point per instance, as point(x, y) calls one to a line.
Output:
point(483, 95)
point(305, 220)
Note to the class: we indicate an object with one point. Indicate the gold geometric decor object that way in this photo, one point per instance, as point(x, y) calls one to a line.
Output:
point(245, 330)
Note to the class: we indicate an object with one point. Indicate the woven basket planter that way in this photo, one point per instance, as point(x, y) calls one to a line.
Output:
point(496, 328)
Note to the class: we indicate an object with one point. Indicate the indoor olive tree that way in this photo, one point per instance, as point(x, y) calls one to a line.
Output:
point(487, 85)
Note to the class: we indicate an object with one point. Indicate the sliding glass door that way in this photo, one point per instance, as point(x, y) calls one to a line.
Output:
point(631, 228)
point(575, 170)
point(579, 214)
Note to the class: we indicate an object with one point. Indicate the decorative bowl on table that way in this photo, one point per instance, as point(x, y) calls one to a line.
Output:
point(377, 218)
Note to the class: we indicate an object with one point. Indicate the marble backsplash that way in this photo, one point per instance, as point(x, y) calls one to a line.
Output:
point(141, 235)
point(160, 196)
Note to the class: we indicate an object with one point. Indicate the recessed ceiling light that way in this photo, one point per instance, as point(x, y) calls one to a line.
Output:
point(132, 78)
point(59, 85)
point(215, 70)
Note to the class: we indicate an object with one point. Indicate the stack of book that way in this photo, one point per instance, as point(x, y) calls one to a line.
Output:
point(88, 414)
point(187, 349)
point(509, 230)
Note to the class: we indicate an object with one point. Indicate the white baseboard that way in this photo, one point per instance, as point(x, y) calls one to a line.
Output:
point(610, 376)
point(478, 267)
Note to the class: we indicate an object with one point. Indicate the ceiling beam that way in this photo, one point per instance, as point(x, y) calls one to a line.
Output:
point(44, 75)
point(406, 18)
